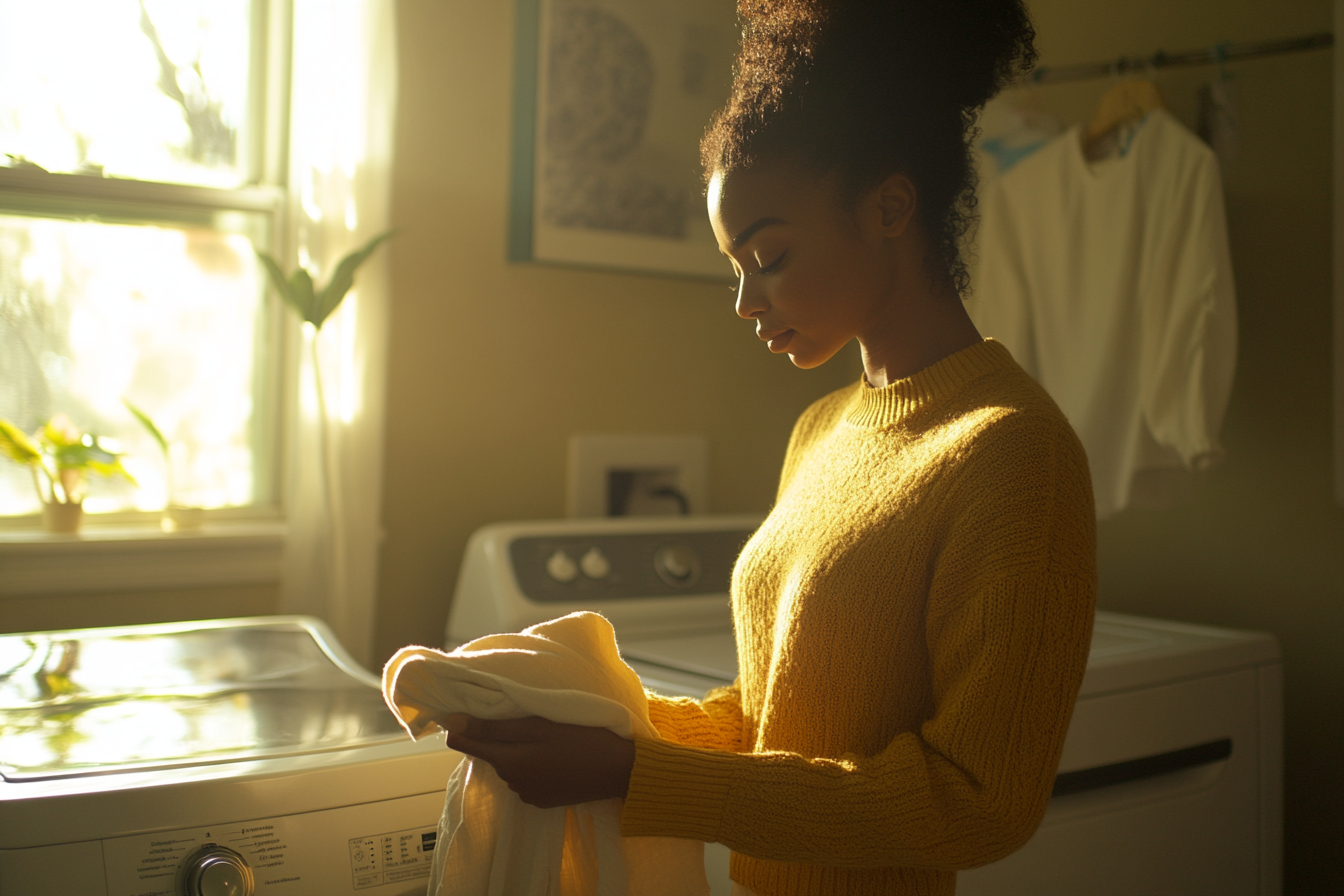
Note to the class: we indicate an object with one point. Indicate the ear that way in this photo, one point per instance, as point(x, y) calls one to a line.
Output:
point(896, 201)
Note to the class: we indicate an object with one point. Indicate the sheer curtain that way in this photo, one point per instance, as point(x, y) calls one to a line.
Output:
point(343, 97)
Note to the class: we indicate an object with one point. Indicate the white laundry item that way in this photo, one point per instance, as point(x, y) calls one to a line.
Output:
point(1111, 283)
point(490, 843)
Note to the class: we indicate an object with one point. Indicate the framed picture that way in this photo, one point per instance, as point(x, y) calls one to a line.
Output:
point(611, 98)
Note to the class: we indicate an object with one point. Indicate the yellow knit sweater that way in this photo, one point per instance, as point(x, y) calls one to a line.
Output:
point(913, 621)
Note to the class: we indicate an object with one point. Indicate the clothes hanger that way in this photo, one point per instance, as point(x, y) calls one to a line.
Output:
point(1124, 104)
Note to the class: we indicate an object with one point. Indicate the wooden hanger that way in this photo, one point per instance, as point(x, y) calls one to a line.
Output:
point(1125, 103)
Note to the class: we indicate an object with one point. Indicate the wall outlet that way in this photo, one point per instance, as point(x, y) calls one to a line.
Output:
point(637, 475)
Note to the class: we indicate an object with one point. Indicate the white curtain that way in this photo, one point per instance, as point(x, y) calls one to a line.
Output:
point(343, 98)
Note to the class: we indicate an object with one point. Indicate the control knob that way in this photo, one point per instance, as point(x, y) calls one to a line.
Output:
point(215, 870)
point(677, 565)
point(595, 564)
point(561, 567)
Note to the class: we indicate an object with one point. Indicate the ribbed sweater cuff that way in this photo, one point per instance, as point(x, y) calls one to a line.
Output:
point(676, 791)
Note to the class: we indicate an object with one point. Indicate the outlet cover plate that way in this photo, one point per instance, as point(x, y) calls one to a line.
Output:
point(592, 456)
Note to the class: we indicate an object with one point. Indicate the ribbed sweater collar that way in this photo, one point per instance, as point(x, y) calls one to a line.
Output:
point(899, 400)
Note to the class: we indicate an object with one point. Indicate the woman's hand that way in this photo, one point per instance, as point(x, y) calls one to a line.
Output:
point(547, 763)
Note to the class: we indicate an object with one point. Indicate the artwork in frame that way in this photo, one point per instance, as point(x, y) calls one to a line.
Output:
point(611, 98)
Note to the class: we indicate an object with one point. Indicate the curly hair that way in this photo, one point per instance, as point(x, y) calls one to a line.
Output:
point(864, 89)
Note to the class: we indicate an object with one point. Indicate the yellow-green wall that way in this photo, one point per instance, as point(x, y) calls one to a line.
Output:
point(494, 365)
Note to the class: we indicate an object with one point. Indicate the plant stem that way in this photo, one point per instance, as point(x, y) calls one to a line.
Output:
point(334, 502)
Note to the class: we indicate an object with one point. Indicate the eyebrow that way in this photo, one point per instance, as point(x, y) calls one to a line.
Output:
point(751, 231)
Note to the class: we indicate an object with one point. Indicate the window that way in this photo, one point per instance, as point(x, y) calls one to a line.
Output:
point(142, 146)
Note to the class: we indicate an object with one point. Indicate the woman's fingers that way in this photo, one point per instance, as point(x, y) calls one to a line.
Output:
point(524, 730)
point(547, 763)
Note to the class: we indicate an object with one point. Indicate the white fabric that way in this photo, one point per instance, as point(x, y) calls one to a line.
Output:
point(1111, 283)
point(343, 98)
point(491, 843)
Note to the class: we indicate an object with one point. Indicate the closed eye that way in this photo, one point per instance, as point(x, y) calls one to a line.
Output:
point(774, 265)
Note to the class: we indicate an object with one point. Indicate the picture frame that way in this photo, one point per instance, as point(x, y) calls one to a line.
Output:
point(611, 98)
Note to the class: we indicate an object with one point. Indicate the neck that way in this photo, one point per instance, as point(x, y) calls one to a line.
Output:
point(921, 326)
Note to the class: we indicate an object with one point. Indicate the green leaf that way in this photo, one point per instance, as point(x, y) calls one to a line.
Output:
point(299, 293)
point(72, 456)
point(17, 445)
point(301, 288)
point(344, 278)
point(59, 436)
point(112, 468)
point(277, 276)
point(148, 424)
point(281, 285)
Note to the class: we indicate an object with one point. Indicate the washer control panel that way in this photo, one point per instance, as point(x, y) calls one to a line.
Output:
point(566, 568)
point(374, 849)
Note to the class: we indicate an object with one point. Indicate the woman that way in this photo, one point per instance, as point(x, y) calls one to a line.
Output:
point(913, 617)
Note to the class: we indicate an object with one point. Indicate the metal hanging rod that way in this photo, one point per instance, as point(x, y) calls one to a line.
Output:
point(1218, 53)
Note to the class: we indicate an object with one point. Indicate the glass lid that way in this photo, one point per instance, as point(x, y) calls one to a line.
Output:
point(119, 699)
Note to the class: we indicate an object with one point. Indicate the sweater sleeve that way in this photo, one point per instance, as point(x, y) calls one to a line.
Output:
point(969, 787)
point(714, 722)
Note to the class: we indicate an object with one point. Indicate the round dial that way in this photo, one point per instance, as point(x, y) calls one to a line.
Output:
point(677, 565)
point(215, 870)
point(595, 564)
point(562, 567)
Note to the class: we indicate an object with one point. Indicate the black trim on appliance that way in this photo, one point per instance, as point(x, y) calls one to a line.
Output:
point(1136, 769)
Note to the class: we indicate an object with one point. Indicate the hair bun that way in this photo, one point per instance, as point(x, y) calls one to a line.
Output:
point(965, 51)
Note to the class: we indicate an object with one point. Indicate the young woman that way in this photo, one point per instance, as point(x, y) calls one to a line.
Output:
point(913, 617)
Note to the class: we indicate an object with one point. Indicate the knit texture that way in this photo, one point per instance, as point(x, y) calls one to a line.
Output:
point(913, 621)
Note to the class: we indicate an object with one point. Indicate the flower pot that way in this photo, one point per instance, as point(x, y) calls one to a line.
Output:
point(63, 519)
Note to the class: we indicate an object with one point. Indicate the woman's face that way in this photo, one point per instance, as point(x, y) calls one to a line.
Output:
point(812, 273)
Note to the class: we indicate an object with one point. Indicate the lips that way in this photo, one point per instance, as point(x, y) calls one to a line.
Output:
point(776, 340)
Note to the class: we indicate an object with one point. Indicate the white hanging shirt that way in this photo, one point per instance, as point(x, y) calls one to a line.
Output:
point(1111, 283)
point(490, 842)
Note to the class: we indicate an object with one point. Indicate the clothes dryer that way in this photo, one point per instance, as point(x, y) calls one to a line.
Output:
point(1171, 776)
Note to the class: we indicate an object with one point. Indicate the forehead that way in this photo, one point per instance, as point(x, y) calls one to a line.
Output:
point(790, 192)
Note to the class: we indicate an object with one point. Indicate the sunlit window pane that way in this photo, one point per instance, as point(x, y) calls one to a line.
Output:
point(168, 317)
point(146, 89)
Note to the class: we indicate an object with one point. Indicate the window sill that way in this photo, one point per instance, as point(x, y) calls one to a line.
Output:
point(122, 558)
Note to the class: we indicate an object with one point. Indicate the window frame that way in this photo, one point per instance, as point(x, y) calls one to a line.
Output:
point(26, 191)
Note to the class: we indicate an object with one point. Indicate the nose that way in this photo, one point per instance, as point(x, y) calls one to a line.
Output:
point(751, 302)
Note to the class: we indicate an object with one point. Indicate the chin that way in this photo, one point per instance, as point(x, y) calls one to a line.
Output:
point(807, 360)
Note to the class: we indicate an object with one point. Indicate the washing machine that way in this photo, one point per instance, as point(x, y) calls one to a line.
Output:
point(216, 758)
point(1170, 782)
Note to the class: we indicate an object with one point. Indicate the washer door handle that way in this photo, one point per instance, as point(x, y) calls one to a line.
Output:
point(1100, 776)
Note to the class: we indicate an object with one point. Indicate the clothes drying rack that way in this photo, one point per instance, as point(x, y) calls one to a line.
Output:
point(1215, 55)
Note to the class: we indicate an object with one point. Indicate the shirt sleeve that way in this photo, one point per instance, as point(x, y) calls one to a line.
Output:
point(1188, 307)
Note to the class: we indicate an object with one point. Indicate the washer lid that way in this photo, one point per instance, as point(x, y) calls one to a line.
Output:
point(1127, 652)
point(1130, 652)
point(95, 701)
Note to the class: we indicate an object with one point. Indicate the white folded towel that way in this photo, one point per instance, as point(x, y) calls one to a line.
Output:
point(491, 843)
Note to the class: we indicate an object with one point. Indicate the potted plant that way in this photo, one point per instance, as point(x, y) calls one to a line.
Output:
point(314, 306)
point(64, 457)
point(177, 517)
